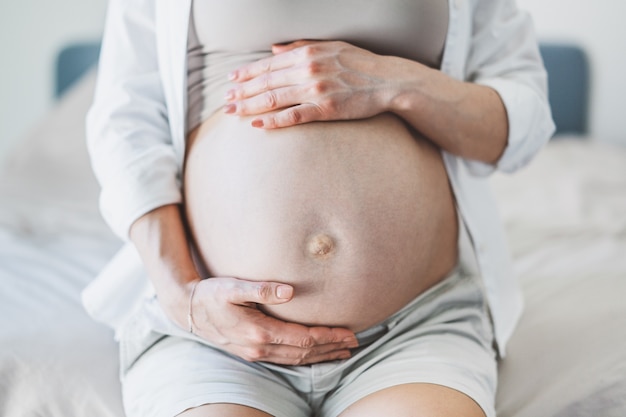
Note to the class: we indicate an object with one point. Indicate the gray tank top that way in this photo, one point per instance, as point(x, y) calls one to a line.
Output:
point(225, 34)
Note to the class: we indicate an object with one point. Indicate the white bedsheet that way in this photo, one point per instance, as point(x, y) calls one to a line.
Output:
point(54, 361)
point(565, 217)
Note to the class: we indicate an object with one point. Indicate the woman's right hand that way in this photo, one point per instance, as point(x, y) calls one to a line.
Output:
point(225, 310)
point(225, 313)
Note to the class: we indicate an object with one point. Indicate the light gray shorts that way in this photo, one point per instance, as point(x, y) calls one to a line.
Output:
point(443, 337)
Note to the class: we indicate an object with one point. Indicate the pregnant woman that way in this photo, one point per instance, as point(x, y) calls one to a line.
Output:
point(305, 185)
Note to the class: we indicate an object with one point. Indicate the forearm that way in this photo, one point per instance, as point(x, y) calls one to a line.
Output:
point(465, 119)
point(161, 240)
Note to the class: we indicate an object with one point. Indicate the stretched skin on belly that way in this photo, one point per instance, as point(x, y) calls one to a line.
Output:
point(358, 216)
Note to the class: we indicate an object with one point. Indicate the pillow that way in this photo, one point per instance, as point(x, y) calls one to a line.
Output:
point(46, 182)
point(572, 183)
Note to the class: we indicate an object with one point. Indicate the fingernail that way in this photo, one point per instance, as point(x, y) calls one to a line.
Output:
point(232, 75)
point(230, 108)
point(230, 94)
point(344, 355)
point(284, 291)
point(351, 342)
point(257, 123)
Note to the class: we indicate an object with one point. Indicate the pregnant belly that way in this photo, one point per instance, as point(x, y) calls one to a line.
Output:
point(358, 216)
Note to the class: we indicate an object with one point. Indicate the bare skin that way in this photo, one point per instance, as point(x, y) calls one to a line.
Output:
point(305, 82)
point(415, 400)
point(402, 401)
point(320, 81)
point(323, 246)
point(465, 119)
point(223, 410)
point(350, 214)
point(244, 330)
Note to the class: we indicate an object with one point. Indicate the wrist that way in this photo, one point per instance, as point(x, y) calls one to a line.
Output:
point(418, 89)
point(162, 242)
point(190, 307)
point(175, 299)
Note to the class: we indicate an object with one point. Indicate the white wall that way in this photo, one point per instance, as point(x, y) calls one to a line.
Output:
point(31, 32)
point(600, 27)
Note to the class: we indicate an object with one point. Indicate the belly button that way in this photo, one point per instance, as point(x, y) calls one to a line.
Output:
point(320, 246)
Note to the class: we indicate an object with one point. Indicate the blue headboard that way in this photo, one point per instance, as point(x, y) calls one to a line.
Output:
point(568, 86)
point(567, 66)
point(72, 62)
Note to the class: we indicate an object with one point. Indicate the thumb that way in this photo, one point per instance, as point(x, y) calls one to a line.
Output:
point(267, 293)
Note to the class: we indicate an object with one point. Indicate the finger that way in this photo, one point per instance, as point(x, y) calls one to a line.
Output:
point(284, 97)
point(277, 332)
point(296, 344)
point(279, 48)
point(262, 66)
point(297, 52)
point(295, 115)
point(258, 337)
point(269, 293)
point(266, 82)
point(266, 330)
point(289, 355)
point(314, 77)
point(263, 103)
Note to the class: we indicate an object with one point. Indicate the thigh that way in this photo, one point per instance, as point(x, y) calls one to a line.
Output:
point(179, 375)
point(223, 410)
point(446, 356)
point(415, 399)
point(438, 375)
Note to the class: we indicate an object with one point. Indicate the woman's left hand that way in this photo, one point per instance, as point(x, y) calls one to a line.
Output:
point(307, 81)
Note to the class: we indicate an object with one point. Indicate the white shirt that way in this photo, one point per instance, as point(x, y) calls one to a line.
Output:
point(136, 132)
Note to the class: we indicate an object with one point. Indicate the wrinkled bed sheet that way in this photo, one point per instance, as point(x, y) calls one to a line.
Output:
point(54, 360)
point(565, 216)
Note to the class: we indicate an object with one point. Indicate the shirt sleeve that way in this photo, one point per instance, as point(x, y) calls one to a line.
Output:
point(128, 133)
point(505, 56)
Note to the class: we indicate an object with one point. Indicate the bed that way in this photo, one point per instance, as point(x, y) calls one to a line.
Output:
point(565, 216)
